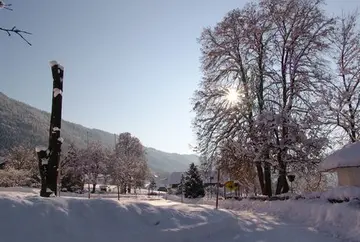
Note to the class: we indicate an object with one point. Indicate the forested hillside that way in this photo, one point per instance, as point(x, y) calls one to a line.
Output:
point(23, 124)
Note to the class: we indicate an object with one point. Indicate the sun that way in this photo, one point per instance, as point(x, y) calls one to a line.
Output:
point(232, 96)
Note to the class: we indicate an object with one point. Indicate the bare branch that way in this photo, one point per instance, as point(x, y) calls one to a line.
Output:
point(17, 31)
point(13, 30)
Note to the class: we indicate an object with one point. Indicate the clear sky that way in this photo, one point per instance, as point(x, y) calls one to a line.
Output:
point(130, 65)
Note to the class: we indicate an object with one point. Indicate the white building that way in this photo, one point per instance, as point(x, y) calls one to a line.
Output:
point(346, 163)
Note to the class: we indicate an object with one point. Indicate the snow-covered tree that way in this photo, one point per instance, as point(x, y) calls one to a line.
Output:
point(341, 92)
point(22, 163)
point(93, 163)
point(71, 172)
point(130, 168)
point(193, 185)
point(236, 165)
point(263, 66)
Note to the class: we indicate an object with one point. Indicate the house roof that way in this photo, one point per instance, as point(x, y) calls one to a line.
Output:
point(348, 156)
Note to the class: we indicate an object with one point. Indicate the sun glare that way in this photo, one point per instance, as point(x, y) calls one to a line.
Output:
point(232, 96)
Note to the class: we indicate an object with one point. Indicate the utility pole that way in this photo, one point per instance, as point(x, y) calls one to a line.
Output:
point(182, 188)
point(87, 147)
point(217, 189)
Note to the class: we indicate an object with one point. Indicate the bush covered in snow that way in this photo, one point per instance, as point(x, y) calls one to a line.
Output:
point(14, 178)
point(20, 169)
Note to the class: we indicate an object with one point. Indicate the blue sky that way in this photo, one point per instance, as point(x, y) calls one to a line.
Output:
point(130, 66)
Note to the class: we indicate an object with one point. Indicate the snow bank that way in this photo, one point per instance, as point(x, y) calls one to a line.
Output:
point(339, 220)
point(32, 218)
point(342, 193)
point(348, 156)
point(16, 190)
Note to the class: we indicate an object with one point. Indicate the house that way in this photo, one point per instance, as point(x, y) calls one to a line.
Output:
point(346, 163)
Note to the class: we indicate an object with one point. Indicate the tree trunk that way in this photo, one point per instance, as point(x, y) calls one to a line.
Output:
point(49, 159)
point(282, 184)
point(267, 172)
point(93, 188)
point(118, 192)
point(43, 168)
point(123, 188)
point(55, 125)
point(260, 174)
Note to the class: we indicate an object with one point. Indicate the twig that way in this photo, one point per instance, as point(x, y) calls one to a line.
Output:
point(18, 32)
point(5, 6)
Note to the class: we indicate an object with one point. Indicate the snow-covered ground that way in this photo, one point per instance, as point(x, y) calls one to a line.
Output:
point(338, 219)
point(24, 216)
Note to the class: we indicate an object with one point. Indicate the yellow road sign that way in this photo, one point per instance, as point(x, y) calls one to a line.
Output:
point(231, 185)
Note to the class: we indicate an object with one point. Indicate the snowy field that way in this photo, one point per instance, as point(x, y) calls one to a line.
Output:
point(27, 217)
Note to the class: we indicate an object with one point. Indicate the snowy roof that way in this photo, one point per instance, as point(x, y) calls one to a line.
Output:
point(175, 178)
point(348, 156)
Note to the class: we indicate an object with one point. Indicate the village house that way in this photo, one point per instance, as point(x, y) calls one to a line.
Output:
point(346, 163)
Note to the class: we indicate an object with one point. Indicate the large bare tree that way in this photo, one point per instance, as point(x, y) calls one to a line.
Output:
point(93, 163)
point(342, 91)
point(271, 53)
point(129, 165)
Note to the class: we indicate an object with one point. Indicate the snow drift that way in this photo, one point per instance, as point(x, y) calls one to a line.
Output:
point(338, 219)
point(27, 217)
point(32, 218)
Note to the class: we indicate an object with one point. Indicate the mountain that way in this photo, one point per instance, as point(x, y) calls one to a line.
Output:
point(23, 124)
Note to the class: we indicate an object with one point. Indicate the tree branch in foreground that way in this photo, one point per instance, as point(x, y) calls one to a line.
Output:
point(17, 31)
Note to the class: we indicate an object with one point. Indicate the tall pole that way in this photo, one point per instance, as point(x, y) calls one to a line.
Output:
point(49, 158)
point(217, 189)
point(87, 146)
point(182, 188)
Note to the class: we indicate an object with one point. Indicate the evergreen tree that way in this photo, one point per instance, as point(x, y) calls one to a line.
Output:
point(193, 187)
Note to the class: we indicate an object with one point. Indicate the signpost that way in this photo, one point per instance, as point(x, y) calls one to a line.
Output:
point(217, 189)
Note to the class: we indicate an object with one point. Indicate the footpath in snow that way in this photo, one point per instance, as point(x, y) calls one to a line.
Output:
point(27, 217)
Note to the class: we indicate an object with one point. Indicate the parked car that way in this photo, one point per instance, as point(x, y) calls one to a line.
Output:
point(162, 189)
